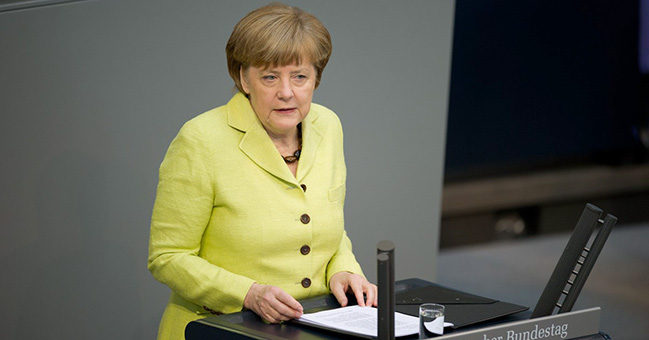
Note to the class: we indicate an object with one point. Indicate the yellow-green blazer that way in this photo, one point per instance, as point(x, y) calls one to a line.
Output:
point(229, 212)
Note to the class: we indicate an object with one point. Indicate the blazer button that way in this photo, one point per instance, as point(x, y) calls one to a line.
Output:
point(305, 250)
point(305, 218)
point(306, 282)
point(303, 186)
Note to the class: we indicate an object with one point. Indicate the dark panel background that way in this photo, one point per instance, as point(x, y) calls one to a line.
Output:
point(542, 84)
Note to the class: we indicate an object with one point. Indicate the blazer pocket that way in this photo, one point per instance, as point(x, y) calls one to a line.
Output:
point(337, 193)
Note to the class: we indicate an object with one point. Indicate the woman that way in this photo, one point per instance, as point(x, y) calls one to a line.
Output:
point(249, 207)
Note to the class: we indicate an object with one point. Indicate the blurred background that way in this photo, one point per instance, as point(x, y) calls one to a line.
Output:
point(548, 110)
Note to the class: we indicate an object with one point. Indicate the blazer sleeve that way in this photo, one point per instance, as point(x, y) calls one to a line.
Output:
point(182, 209)
point(343, 260)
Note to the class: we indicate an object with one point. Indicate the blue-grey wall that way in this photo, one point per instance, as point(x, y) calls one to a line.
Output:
point(91, 94)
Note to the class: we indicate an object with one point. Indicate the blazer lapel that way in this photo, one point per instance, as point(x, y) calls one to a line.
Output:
point(255, 143)
point(311, 138)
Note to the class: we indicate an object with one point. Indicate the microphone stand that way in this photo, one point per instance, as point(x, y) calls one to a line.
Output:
point(386, 299)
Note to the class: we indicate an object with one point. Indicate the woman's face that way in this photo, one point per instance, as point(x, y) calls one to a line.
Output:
point(280, 96)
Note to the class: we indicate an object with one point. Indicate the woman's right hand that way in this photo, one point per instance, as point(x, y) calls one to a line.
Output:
point(272, 303)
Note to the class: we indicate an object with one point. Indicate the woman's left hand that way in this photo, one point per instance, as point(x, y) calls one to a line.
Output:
point(341, 283)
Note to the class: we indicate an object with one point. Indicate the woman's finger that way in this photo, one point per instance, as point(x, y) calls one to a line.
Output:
point(356, 283)
point(287, 305)
point(370, 294)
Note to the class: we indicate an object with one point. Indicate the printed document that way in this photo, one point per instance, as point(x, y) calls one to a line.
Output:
point(360, 320)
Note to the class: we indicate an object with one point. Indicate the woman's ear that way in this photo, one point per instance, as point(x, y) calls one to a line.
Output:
point(244, 81)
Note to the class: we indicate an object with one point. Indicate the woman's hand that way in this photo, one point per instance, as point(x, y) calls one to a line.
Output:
point(341, 282)
point(272, 304)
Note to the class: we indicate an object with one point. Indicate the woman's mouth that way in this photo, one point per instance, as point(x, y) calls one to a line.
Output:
point(286, 110)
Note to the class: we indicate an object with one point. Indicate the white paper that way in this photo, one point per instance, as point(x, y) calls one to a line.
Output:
point(436, 326)
point(361, 320)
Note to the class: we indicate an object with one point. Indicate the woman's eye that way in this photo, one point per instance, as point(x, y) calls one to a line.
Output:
point(269, 78)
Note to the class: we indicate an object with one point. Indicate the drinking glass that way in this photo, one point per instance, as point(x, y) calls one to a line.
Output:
point(431, 320)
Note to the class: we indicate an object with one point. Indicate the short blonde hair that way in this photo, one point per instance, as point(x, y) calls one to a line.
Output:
point(277, 35)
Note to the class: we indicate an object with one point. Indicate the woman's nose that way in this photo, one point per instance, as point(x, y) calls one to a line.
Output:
point(285, 90)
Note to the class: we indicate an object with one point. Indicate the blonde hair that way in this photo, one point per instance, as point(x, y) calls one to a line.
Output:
point(277, 35)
